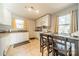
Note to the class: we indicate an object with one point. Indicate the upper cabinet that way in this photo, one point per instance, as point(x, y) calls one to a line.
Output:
point(38, 22)
point(5, 15)
point(1, 13)
point(43, 21)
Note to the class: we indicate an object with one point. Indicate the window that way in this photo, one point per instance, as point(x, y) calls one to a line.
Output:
point(64, 24)
point(19, 24)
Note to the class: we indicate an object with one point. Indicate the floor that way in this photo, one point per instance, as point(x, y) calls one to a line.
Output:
point(30, 49)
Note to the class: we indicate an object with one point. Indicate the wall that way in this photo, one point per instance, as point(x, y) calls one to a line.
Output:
point(52, 24)
point(30, 26)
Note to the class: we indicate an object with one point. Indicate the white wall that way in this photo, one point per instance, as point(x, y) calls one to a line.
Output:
point(52, 24)
point(32, 29)
point(30, 26)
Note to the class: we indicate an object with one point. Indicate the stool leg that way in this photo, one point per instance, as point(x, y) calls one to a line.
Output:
point(42, 50)
point(40, 47)
point(48, 50)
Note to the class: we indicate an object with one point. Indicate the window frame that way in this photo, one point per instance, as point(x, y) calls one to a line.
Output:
point(19, 24)
point(64, 24)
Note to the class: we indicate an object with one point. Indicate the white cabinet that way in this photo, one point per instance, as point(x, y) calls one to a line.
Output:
point(1, 14)
point(7, 39)
point(19, 37)
point(38, 22)
point(38, 35)
point(5, 15)
point(43, 21)
point(46, 20)
point(78, 16)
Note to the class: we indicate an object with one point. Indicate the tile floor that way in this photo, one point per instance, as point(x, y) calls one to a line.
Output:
point(30, 49)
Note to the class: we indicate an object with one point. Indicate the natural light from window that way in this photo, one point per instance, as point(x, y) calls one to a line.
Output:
point(19, 24)
point(64, 24)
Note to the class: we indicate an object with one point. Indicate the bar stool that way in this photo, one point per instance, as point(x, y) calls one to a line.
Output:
point(50, 44)
point(45, 42)
point(60, 46)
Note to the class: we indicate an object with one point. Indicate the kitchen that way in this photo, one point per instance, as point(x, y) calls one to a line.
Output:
point(17, 26)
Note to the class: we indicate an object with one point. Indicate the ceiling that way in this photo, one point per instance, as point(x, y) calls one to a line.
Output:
point(44, 8)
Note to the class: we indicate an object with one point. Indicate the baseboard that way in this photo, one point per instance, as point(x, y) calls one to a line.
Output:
point(32, 38)
point(22, 43)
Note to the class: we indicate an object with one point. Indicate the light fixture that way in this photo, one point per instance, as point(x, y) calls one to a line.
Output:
point(32, 9)
point(37, 11)
point(29, 9)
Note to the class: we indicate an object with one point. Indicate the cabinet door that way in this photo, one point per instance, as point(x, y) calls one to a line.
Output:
point(19, 37)
point(7, 17)
point(38, 22)
point(5, 41)
point(1, 14)
point(46, 20)
point(43, 21)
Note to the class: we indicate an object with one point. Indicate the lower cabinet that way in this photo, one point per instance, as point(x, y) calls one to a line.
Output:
point(19, 37)
point(38, 35)
point(7, 39)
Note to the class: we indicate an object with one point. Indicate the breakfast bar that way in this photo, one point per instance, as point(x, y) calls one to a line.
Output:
point(69, 42)
point(74, 41)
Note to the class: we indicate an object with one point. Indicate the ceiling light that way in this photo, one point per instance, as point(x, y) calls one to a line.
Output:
point(37, 11)
point(29, 9)
point(32, 9)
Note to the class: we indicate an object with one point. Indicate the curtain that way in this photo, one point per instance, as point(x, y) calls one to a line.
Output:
point(55, 24)
point(14, 24)
point(73, 21)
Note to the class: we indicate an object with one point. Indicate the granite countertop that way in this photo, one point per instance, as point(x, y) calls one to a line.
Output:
point(66, 36)
point(13, 31)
